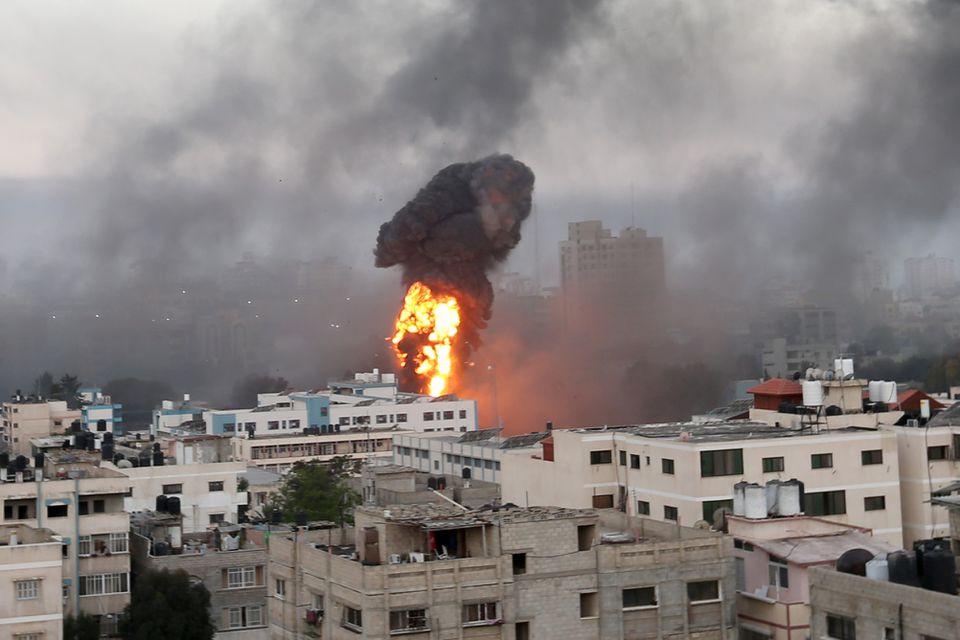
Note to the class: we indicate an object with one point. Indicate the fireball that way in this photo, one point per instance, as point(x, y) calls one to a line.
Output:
point(426, 329)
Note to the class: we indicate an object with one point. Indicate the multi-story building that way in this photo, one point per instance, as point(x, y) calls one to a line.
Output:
point(282, 451)
point(31, 579)
point(469, 455)
point(505, 572)
point(98, 412)
point(178, 418)
point(684, 472)
point(371, 400)
point(83, 504)
point(394, 484)
point(624, 272)
point(773, 557)
point(782, 359)
point(230, 561)
point(207, 491)
point(923, 277)
point(25, 419)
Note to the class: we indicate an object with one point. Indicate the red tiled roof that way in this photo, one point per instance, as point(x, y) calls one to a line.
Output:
point(777, 387)
point(909, 394)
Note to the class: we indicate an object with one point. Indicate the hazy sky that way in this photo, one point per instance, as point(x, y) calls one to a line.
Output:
point(751, 134)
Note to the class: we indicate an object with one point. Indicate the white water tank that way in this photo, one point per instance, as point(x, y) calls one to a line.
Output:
point(788, 501)
point(877, 569)
point(925, 409)
point(847, 367)
point(738, 498)
point(888, 392)
point(754, 501)
point(773, 496)
point(874, 390)
point(812, 393)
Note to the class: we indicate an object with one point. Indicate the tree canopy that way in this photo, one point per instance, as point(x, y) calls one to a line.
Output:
point(81, 627)
point(167, 604)
point(319, 490)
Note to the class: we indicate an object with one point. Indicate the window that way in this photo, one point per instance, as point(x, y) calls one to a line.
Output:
point(585, 534)
point(84, 546)
point(639, 597)
point(604, 456)
point(408, 620)
point(710, 507)
point(889, 633)
point(841, 627)
point(588, 605)
point(669, 513)
point(727, 462)
point(215, 486)
point(318, 601)
point(937, 453)
point(229, 427)
point(84, 508)
point(172, 489)
point(825, 503)
point(623, 458)
point(401, 417)
point(603, 501)
point(56, 511)
point(634, 461)
point(740, 570)
point(352, 618)
point(872, 456)
point(243, 617)
point(703, 591)
point(217, 518)
point(344, 421)
point(381, 418)
point(821, 461)
point(241, 577)
point(273, 425)
point(778, 573)
point(481, 613)
point(428, 416)
point(522, 631)
point(874, 503)
point(666, 464)
point(463, 414)
point(99, 506)
point(773, 465)
point(643, 508)
point(293, 424)
point(28, 589)
point(519, 563)
point(448, 415)
point(102, 584)
point(119, 542)
point(280, 589)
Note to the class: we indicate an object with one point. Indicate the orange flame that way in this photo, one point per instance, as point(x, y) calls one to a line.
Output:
point(436, 318)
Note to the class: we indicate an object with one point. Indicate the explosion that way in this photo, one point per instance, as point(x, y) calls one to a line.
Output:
point(458, 227)
point(426, 328)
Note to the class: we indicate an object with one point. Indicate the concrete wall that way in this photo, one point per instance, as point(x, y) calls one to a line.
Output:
point(37, 560)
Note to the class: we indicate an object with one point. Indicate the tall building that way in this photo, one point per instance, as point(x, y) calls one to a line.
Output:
point(923, 277)
point(31, 574)
point(612, 283)
point(25, 419)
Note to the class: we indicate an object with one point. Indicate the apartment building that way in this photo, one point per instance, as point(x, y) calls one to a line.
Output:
point(280, 452)
point(474, 454)
point(773, 557)
point(389, 484)
point(370, 400)
point(99, 413)
point(684, 472)
point(31, 579)
point(207, 491)
point(25, 419)
point(230, 560)
point(509, 572)
point(83, 504)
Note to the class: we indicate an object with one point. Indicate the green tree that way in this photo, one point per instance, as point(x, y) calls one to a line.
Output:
point(319, 490)
point(167, 604)
point(245, 391)
point(43, 385)
point(67, 388)
point(81, 627)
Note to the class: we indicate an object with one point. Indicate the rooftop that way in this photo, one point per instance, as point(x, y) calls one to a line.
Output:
point(777, 387)
point(729, 431)
point(441, 515)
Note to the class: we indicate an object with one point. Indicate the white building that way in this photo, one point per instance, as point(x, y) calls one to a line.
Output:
point(923, 277)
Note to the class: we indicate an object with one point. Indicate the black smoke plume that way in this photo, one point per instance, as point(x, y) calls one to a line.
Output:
point(456, 228)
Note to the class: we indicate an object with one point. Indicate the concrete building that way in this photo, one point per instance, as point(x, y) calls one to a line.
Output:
point(31, 579)
point(475, 455)
point(781, 358)
point(370, 400)
point(391, 484)
point(260, 484)
point(845, 606)
point(282, 451)
point(684, 472)
point(230, 561)
point(773, 557)
point(99, 413)
point(83, 504)
point(926, 276)
point(26, 419)
point(207, 492)
point(178, 418)
point(439, 571)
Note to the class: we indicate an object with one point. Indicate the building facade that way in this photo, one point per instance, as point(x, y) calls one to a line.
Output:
point(26, 419)
point(31, 579)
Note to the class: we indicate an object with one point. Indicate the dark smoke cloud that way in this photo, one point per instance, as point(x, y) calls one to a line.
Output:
point(462, 223)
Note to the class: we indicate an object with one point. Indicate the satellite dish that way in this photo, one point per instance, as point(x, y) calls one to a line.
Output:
point(701, 524)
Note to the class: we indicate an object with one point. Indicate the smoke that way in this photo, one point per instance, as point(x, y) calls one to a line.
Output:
point(457, 227)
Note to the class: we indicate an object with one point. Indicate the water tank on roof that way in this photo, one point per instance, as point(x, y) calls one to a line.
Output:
point(276, 516)
point(158, 458)
point(124, 463)
point(38, 460)
point(878, 569)
point(108, 437)
point(854, 561)
point(173, 505)
point(833, 410)
point(812, 393)
point(755, 501)
point(739, 504)
point(134, 462)
point(4, 460)
point(431, 483)
point(117, 457)
point(161, 504)
point(902, 568)
point(939, 571)
point(888, 392)
point(790, 498)
point(301, 518)
point(874, 390)
point(786, 407)
point(773, 497)
point(21, 462)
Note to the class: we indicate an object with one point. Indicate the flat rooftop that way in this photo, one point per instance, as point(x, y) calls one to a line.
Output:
point(441, 515)
point(715, 431)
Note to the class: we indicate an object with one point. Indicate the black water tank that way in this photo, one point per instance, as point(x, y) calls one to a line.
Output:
point(75, 426)
point(38, 460)
point(91, 442)
point(902, 567)
point(117, 457)
point(4, 460)
point(276, 516)
point(301, 518)
point(108, 438)
point(106, 451)
point(854, 561)
point(431, 483)
point(173, 505)
point(939, 571)
point(879, 407)
point(162, 504)
point(134, 462)
point(101, 425)
point(158, 458)
point(833, 410)
point(21, 462)
point(441, 483)
point(156, 446)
